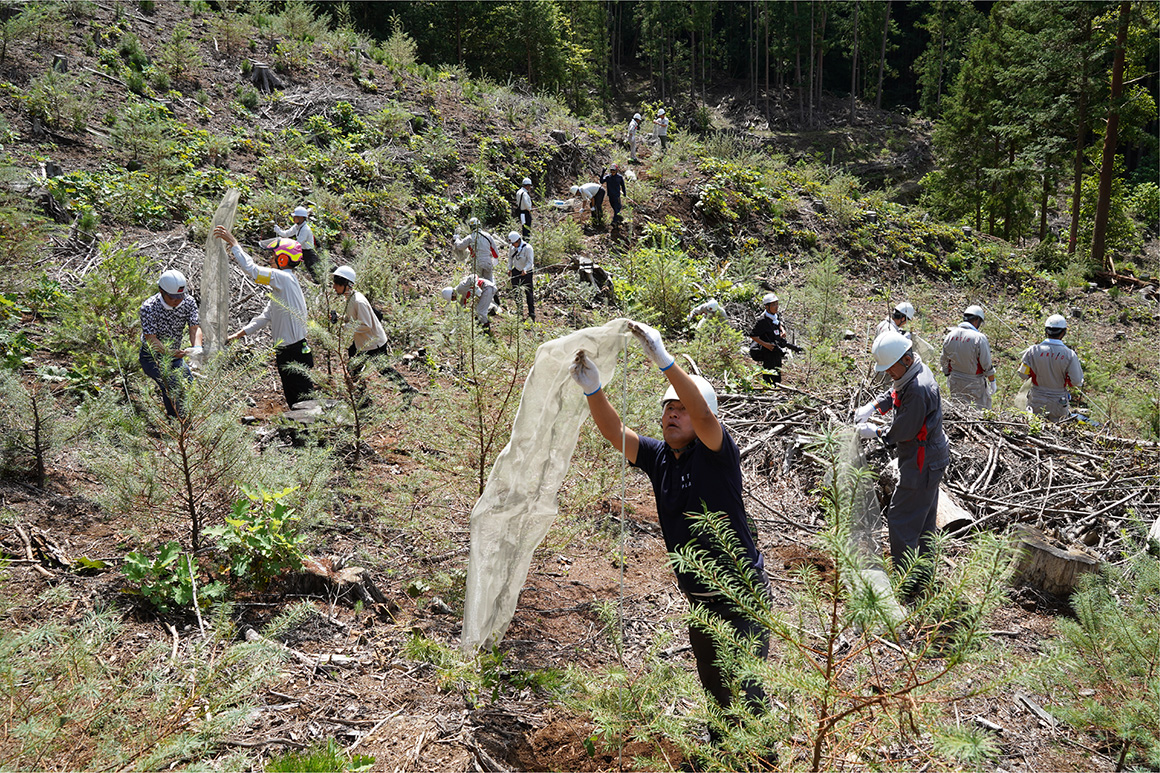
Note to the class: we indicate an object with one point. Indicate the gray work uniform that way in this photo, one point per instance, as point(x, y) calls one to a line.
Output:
point(923, 455)
point(481, 290)
point(484, 255)
point(1052, 368)
point(966, 361)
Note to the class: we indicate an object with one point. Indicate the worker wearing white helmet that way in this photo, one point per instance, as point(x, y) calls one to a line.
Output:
point(483, 248)
point(165, 316)
point(591, 197)
point(476, 288)
point(285, 314)
point(966, 360)
point(900, 315)
point(368, 339)
point(300, 232)
point(521, 268)
point(695, 468)
point(523, 206)
point(923, 453)
point(1052, 367)
point(661, 128)
point(769, 339)
point(631, 138)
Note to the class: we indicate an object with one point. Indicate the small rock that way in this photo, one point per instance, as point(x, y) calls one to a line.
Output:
point(438, 606)
point(251, 402)
point(249, 420)
point(849, 334)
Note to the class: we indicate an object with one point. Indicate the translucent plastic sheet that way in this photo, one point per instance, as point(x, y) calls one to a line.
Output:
point(518, 504)
point(215, 279)
point(865, 527)
point(1021, 396)
point(924, 349)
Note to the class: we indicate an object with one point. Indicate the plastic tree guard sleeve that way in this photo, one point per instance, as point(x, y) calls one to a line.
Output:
point(215, 278)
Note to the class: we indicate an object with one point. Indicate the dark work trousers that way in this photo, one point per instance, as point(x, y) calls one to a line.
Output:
point(526, 223)
point(769, 358)
point(911, 522)
point(614, 202)
point(525, 280)
point(380, 356)
point(598, 205)
point(296, 386)
point(171, 384)
point(713, 678)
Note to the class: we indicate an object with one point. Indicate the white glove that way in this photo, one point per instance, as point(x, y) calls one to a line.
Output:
point(194, 351)
point(992, 387)
point(654, 347)
point(585, 373)
point(863, 413)
point(867, 430)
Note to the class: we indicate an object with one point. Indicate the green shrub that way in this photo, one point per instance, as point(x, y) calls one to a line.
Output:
point(327, 757)
point(261, 540)
point(169, 581)
point(1144, 203)
point(59, 100)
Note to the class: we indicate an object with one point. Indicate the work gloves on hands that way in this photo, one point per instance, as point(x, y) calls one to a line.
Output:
point(867, 431)
point(654, 347)
point(863, 413)
point(585, 373)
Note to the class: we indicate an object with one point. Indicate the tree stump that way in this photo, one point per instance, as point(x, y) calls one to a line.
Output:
point(263, 78)
point(1047, 567)
point(59, 63)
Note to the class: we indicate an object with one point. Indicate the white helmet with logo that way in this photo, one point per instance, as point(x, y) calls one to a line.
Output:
point(172, 282)
point(889, 348)
point(703, 386)
point(473, 222)
point(636, 117)
point(768, 299)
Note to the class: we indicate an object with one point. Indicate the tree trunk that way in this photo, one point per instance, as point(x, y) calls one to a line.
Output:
point(821, 52)
point(882, 59)
point(813, 41)
point(1080, 133)
point(797, 67)
point(1043, 202)
point(854, 69)
point(1103, 203)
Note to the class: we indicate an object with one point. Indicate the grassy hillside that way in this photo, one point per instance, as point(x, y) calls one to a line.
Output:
point(113, 167)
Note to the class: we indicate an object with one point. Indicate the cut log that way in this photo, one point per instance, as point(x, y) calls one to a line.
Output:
point(951, 516)
point(1049, 568)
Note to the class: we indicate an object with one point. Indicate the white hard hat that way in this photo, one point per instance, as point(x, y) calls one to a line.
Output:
point(300, 212)
point(172, 282)
point(906, 309)
point(768, 298)
point(889, 348)
point(473, 222)
point(448, 293)
point(527, 181)
point(975, 311)
point(705, 388)
point(713, 305)
point(636, 117)
point(575, 189)
point(661, 111)
point(1056, 322)
point(345, 272)
point(513, 236)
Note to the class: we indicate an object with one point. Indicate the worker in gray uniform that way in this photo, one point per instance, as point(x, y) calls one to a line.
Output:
point(966, 360)
point(923, 454)
point(900, 315)
point(1052, 368)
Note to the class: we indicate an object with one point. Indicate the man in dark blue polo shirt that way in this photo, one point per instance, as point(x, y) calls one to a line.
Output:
point(696, 469)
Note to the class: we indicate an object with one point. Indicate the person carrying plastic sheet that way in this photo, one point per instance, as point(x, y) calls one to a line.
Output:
point(661, 128)
point(164, 319)
point(614, 183)
point(522, 267)
point(524, 206)
point(481, 245)
point(369, 338)
point(769, 341)
point(695, 469)
point(477, 288)
point(285, 313)
point(301, 233)
point(633, 129)
point(923, 452)
point(966, 360)
point(1052, 367)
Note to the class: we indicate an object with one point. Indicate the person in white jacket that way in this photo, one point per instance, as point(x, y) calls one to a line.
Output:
point(633, 128)
point(473, 287)
point(369, 340)
point(524, 206)
point(966, 360)
point(300, 232)
point(661, 128)
point(483, 248)
point(1052, 367)
point(285, 314)
point(522, 266)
